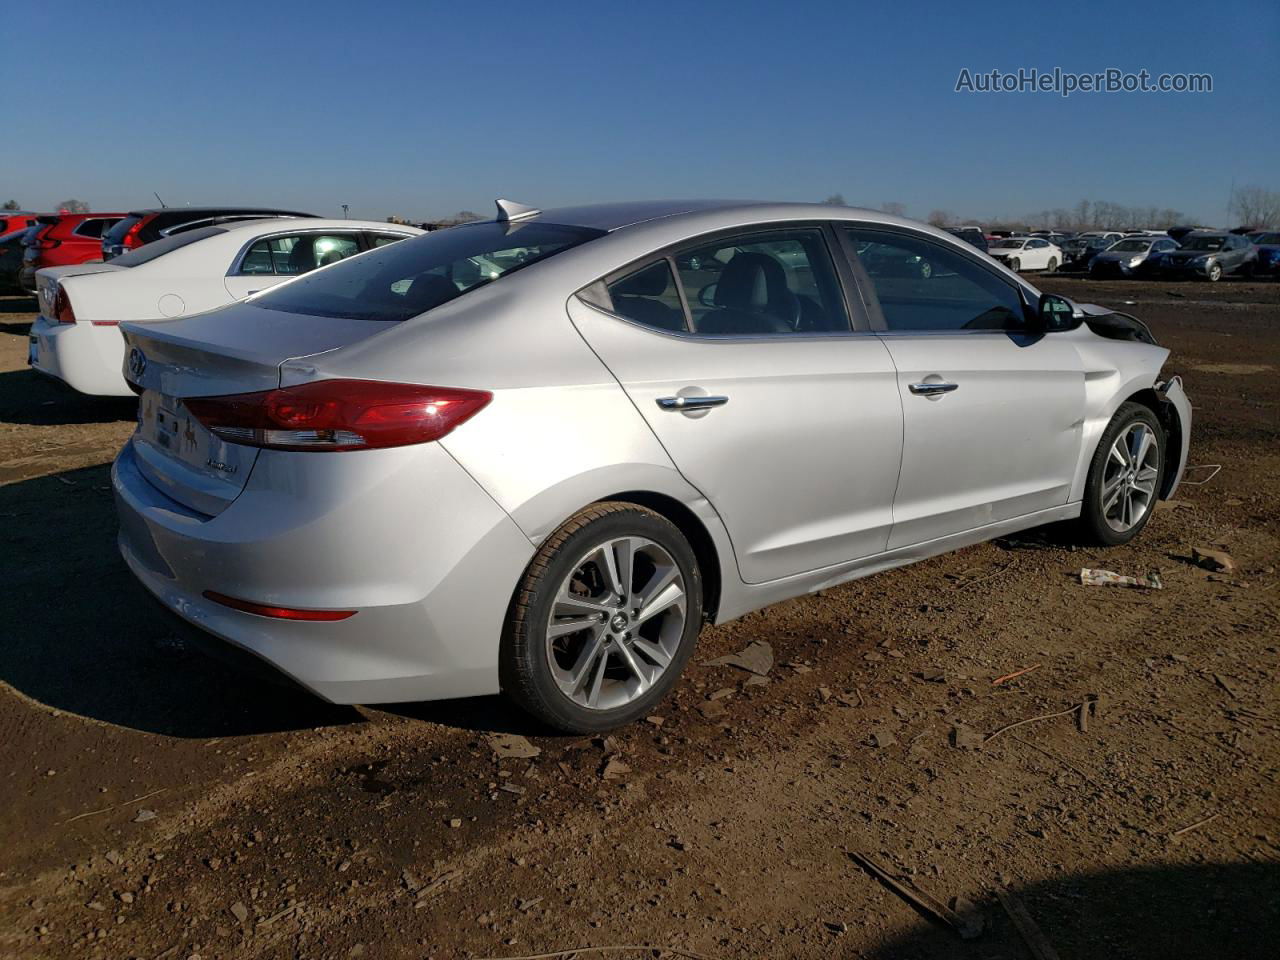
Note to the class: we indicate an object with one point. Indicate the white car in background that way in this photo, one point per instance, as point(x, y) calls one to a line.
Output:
point(1027, 253)
point(76, 337)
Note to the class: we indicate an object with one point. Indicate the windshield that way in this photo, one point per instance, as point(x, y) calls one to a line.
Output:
point(1131, 246)
point(405, 279)
point(1011, 243)
point(1204, 243)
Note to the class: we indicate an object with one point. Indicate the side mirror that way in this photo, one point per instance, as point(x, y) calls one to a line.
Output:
point(1057, 314)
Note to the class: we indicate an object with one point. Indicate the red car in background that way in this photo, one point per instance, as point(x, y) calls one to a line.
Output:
point(11, 220)
point(63, 240)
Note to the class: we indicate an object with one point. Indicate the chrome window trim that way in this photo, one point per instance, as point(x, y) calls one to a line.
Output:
point(727, 337)
point(238, 260)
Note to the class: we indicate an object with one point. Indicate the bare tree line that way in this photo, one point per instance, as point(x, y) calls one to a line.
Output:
point(1251, 206)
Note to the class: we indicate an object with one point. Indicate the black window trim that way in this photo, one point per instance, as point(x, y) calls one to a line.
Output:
point(237, 262)
point(871, 300)
point(854, 312)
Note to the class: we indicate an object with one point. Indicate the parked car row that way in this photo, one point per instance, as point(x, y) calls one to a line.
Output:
point(1181, 252)
point(69, 239)
point(76, 337)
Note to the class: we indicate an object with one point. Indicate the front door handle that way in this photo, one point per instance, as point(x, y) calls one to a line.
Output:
point(691, 403)
point(932, 389)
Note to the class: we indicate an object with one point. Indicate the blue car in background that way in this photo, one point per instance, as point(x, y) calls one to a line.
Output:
point(1268, 244)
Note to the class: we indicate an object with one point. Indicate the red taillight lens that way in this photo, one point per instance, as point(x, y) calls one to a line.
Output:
point(130, 238)
point(62, 311)
point(338, 414)
point(280, 613)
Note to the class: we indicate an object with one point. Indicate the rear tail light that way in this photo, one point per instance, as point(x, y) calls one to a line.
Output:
point(47, 243)
point(279, 613)
point(62, 311)
point(130, 238)
point(338, 414)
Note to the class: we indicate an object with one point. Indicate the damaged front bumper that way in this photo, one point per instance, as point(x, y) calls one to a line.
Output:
point(1177, 423)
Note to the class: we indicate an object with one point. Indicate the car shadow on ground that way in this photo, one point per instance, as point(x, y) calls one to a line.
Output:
point(495, 714)
point(78, 633)
point(1187, 912)
point(18, 303)
point(31, 398)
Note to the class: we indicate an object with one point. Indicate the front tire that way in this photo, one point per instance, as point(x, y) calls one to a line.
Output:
point(1015, 264)
point(1124, 477)
point(1215, 272)
point(1052, 265)
point(603, 621)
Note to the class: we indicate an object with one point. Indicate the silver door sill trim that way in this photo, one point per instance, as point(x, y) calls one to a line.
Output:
point(747, 597)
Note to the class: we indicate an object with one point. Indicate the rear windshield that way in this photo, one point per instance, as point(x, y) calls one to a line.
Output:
point(405, 279)
point(147, 253)
point(116, 233)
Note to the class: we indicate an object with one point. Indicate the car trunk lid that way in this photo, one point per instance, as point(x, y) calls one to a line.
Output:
point(238, 349)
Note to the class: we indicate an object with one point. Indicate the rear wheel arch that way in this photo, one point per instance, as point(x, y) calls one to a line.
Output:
point(694, 530)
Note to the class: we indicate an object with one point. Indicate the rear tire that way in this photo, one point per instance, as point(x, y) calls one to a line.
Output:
point(1124, 479)
point(604, 620)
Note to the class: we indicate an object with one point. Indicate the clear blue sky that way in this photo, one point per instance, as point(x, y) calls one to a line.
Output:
point(425, 108)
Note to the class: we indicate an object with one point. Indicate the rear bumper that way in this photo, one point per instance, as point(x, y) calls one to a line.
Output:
point(86, 357)
point(405, 538)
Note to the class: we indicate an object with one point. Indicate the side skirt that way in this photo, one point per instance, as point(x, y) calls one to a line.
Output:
point(743, 599)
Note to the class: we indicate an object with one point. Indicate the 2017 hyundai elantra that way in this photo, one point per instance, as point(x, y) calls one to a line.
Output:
point(536, 454)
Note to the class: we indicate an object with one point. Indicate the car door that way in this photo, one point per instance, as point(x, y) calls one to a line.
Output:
point(992, 416)
point(1038, 254)
point(738, 352)
point(268, 261)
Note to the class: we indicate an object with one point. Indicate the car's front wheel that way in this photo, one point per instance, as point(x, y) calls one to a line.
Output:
point(1015, 264)
point(604, 620)
point(1215, 272)
point(1124, 477)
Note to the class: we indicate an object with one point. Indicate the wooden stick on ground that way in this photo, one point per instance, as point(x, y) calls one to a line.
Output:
point(1017, 673)
point(918, 898)
point(1031, 934)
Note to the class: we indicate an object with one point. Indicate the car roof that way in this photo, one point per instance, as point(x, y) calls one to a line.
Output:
point(271, 224)
point(1206, 233)
point(209, 211)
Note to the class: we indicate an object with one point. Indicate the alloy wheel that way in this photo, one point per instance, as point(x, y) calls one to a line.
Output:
point(1129, 478)
point(616, 623)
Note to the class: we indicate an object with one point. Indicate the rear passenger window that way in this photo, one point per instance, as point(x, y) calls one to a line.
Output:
point(762, 284)
point(650, 297)
point(382, 239)
point(287, 256)
point(923, 286)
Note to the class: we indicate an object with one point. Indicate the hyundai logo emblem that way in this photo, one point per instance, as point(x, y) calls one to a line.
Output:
point(137, 363)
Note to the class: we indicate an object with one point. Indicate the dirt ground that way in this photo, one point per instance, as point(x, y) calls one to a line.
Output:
point(156, 805)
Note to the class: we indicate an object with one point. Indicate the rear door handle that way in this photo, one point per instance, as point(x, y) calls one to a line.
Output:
point(691, 403)
point(932, 389)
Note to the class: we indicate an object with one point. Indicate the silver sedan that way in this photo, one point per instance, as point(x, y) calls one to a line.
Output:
point(537, 454)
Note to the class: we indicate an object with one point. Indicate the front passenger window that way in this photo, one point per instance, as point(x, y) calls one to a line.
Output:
point(924, 286)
